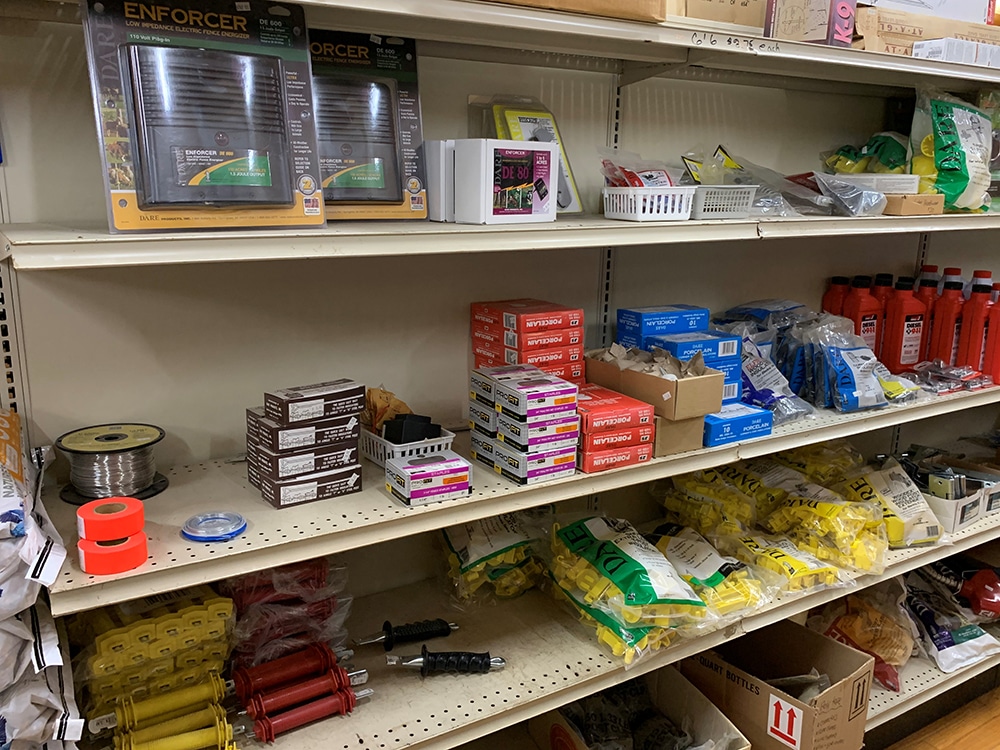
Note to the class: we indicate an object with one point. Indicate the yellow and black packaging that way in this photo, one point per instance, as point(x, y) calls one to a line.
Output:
point(205, 114)
point(368, 125)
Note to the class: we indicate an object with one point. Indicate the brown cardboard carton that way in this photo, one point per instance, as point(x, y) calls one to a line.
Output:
point(733, 678)
point(925, 204)
point(678, 436)
point(635, 10)
point(671, 399)
point(679, 700)
point(742, 13)
point(895, 31)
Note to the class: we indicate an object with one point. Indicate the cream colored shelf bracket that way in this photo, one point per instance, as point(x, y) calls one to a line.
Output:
point(635, 72)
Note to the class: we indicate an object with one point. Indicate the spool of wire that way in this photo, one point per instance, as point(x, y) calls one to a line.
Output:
point(111, 460)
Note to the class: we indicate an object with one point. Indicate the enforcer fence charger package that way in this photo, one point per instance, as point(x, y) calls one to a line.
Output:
point(368, 125)
point(205, 114)
point(504, 182)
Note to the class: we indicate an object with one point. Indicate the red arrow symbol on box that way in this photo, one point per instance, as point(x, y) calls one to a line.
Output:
point(791, 721)
point(777, 715)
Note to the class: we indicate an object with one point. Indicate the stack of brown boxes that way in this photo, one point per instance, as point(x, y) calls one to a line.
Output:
point(302, 445)
point(529, 332)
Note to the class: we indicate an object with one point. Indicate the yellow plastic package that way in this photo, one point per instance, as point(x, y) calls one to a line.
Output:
point(607, 564)
point(707, 499)
point(797, 570)
point(823, 463)
point(494, 556)
point(753, 478)
point(729, 587)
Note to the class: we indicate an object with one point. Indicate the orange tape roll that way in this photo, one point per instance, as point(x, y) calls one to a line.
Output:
point(108, 558)
point(110, 519)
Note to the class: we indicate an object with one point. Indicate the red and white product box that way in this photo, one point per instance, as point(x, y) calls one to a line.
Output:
point(497, 337)
point(574, 372)
point(608, 439)
point(536, 357)
point(591, 462)
point(602, 409)
point(524, 315)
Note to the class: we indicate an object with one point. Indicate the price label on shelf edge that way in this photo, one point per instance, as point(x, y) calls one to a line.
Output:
point(735, 43)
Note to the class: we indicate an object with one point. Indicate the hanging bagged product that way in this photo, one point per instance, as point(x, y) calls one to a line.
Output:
point(497, 555)
point(874, 621)
point(950, 145)
point(948, 637)
point(729, 587)
point(766, 387)
point(608, 565)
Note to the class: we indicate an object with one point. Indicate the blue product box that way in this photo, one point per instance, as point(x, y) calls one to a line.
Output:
point(736, 422)
point(628, 339)
point(655, 321)
point(732, 373)
point(712, 345)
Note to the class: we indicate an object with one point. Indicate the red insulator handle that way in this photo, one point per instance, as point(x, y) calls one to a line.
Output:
point(271, 703)
point(315, 659)
point(342, 702)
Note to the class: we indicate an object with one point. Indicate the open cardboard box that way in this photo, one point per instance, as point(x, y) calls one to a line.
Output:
point(734, 678)
point(895, 31)
point(679, 700)
point(671, 399)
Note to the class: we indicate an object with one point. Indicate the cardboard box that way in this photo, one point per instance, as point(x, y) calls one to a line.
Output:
point(671, 399)
point(498, 337)
point(948, 50)
point(591, 462)
point(523, 468)
point(505, 182)
point(956, 515)
point(748, 13)
point(678, 436)
point(535, 399)
point(603, 409)
point(253, 474)
point(483, 380)
point(305, 403)
point(925, 204)
point(574, 372)
point(715, 345)
point(733, 678)
point(538, 357)
point(661, 319)
point(828, 22)
point(969, 11)
point(736, 422)
point(311, 461)
point(482, 418)
point(895, 31)
point(532, 437)
point(635, 10)
point(608, 439)
point(433, 478)
point(679, 701)
point(483, 450)
point(526, 315)
point(282, 493)
point(254, 415)
point(282, 438)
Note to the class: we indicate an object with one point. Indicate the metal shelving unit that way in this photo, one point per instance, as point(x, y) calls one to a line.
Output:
point(301, 532)
point(36, 247)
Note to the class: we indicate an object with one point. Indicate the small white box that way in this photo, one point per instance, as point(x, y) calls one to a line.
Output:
point(483, 381)
point(955, 515)
point(532, 468)
point(970, 11)
point(535, 399)
point(428, 479)
point(439, 156)
point(505, 182)
point(947, 50)
point(561, 431)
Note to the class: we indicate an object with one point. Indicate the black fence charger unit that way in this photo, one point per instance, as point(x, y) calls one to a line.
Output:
point(209, 127)
point(356, 125)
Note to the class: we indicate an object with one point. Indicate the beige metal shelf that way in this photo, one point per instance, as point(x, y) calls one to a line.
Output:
point(36, 247)
point(276, 537)
point(921, 681)
point(551, 660)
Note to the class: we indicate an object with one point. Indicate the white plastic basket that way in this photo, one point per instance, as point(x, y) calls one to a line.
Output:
point(648, 203)
point(723, 201)
point(379, 450)
point(892, 184)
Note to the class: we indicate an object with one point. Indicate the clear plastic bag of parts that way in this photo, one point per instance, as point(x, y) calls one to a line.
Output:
point(499, 557)
point(873, 620)
point(704, 500)
point(823, 463)
point(945, 634)
point(793, 570)
point(730, 588)
point(850, 199)
point(974, 586)
point(308, 581)
point(950, 148)
point(265, 632)
point(626, 169)
point(907, 517)
point(607, 565)
point(884, 153)
point(766, 387)
point(148, 646)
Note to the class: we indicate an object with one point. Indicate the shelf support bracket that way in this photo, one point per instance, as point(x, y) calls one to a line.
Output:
point(634, 72)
